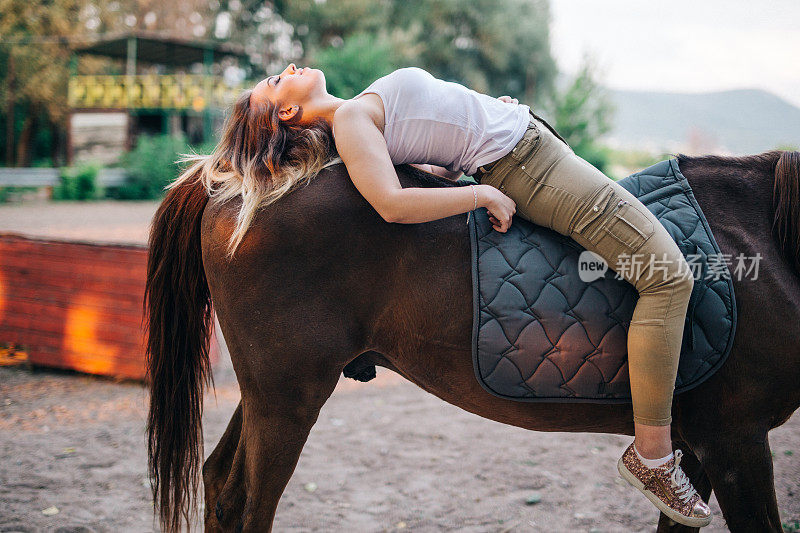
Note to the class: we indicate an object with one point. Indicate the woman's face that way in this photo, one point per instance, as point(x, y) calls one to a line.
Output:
point(292, 87)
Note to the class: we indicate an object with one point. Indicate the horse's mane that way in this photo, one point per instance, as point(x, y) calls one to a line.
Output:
point(778, 168)
point(422, 178)
point(765, 161)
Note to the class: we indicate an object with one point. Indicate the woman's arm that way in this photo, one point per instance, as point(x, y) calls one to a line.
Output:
point(363, 151)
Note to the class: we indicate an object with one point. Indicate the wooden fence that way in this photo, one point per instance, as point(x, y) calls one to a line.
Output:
point(73, 304)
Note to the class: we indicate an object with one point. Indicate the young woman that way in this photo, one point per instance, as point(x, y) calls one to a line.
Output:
point(284, 130)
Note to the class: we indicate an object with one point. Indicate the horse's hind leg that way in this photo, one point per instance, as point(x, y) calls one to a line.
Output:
point(692, 467)
point(277, 415)
point(220, 470)
point(739, 466)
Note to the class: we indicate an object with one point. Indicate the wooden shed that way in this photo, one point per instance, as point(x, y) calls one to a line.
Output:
point(108, 112)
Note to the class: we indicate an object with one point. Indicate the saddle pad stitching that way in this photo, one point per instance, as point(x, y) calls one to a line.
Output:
point(722, 288)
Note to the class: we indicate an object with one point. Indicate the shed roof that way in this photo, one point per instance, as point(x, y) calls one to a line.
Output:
point(160, 49)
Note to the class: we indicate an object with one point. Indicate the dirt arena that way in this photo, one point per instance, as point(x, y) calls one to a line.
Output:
point(383, 456)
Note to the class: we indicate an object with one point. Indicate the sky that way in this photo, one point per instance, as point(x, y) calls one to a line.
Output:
point(683, 45)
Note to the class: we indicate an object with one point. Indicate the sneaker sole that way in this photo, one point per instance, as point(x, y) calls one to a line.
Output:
point(628, 476)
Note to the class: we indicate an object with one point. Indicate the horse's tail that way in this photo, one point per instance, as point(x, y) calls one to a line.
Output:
point(178, 315)
point(786, 201)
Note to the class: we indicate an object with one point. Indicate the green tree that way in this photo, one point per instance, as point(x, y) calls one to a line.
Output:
point(34, 55)
point(582, 113)
point(349, 68)
point(150, 166)
point(319, 24)
point(493, 46)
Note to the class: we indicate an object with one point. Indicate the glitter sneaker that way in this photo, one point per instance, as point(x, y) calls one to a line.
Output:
point(667, 486)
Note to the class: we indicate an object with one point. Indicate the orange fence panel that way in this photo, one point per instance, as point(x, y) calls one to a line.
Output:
point(75, 304)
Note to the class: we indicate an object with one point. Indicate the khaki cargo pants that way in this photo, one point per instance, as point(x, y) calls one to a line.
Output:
point(555, 188)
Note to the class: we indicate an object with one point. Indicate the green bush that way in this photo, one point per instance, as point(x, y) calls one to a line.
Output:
point(14, 193)
point(151, 166)
point(360, 60)
point(78, 183)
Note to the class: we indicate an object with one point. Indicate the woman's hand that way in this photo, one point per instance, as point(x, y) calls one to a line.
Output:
point(500, 207)
point(508, 100)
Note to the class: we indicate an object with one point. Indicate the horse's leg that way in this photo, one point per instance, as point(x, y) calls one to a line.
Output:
point(277, 417)
point(692, 467)
point(225, 514)
point(218, 470)
point(739, 465)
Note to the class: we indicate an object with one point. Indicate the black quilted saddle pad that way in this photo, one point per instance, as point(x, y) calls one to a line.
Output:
point(540, 333)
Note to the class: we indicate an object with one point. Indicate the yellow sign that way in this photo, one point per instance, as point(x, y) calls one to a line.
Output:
point(180, 91)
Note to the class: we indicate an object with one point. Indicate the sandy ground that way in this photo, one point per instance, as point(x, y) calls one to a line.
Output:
point(383, 456)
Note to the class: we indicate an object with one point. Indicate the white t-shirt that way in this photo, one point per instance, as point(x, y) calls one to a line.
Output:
point(443, 123)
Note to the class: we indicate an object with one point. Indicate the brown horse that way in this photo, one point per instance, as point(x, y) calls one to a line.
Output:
point(321, 282)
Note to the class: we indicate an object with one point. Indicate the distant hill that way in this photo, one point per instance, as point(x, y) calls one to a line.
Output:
point(741, 121)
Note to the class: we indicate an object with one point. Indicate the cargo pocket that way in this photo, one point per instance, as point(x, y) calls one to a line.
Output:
point(586, 222)
point(530, 141)
point(628, 225)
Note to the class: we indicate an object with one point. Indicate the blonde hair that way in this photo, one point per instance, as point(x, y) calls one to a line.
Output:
point(260, 158)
